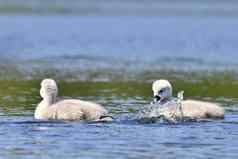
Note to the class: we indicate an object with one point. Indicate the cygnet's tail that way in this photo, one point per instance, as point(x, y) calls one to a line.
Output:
point(105, 118)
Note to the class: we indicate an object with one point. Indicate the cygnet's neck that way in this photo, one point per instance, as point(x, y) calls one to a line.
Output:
point(48, 100)
point(164, 101)
point(44, 104)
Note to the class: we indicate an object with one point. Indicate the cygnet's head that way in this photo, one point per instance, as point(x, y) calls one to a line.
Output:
point(162, 90)
point(48, 88)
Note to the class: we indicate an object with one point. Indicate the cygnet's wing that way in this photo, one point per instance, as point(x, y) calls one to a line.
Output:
point(64, 110)
point(200, 109)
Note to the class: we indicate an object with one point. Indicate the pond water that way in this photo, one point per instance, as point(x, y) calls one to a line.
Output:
point(112, 60)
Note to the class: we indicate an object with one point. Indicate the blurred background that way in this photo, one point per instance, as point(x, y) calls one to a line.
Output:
point(104, 40)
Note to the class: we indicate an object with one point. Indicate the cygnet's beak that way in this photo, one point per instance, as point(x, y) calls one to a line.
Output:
point(157, 98)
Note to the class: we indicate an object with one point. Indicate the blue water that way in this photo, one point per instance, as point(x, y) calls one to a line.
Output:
point(23, 137)
point(147, 42)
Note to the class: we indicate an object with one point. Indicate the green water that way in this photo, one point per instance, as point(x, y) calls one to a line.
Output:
point(20, 97)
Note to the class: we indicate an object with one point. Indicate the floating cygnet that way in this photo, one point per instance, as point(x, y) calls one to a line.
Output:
point(69, 109)
point(170, 108)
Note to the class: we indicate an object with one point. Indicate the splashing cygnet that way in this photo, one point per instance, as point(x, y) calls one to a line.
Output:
point(70, 109)
point(170, 108)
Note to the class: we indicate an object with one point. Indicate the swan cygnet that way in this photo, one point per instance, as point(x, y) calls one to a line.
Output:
point(164, 104)
point(69, 109)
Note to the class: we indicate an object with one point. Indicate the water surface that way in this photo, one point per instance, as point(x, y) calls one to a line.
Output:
point(112, 60)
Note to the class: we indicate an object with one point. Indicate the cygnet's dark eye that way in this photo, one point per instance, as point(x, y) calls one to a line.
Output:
point(161, 91)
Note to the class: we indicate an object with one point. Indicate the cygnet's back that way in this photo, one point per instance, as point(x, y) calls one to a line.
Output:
point(74, 110)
